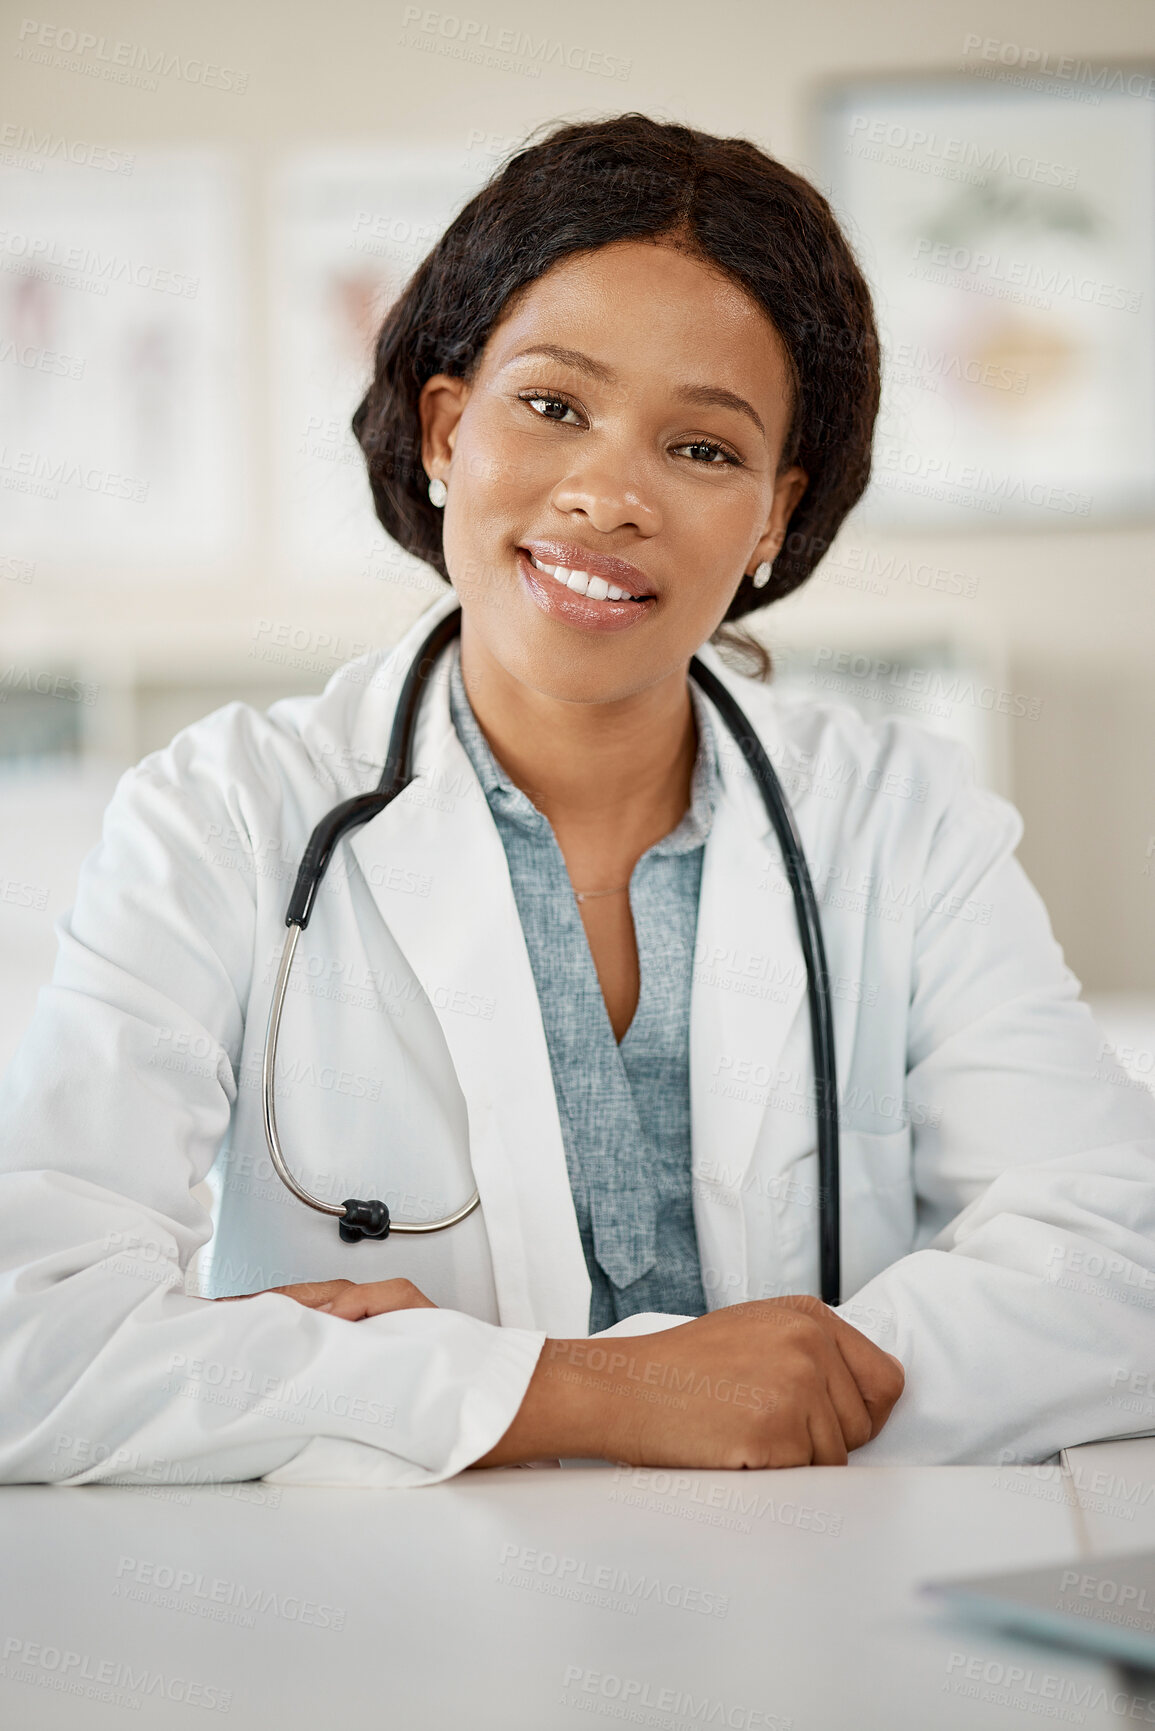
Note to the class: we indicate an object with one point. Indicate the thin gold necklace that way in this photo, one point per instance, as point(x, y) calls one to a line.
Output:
point(588, 895)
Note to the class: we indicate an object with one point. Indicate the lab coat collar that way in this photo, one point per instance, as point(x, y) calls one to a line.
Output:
point(460, 933)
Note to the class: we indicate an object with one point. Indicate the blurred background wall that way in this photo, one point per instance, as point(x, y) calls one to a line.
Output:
point(203, 212)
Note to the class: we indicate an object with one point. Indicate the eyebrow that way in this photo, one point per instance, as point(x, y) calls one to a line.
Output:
point(706, 396)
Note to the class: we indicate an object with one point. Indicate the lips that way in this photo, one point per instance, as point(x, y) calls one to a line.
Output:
point(600, 576)
point(577, 609)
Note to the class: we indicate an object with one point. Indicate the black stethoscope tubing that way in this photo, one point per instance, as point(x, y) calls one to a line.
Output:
point(358, 1219)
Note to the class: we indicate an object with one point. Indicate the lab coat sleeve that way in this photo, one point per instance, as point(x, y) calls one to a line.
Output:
point(111, 1112)
point(1030, 1300)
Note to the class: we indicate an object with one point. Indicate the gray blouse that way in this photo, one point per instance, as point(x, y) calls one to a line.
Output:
point(624, 1109)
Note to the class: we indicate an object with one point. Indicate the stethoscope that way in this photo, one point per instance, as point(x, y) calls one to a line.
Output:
point(358, 1219)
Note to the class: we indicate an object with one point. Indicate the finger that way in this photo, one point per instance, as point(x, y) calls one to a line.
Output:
point(311, 1293)
point(880, 1378)
point(791, 1443)
point(879, 1375)
point(855, 1420)
point(377, 1298)
point(822, 1331)
point(828, 1447)
point(314, 1294)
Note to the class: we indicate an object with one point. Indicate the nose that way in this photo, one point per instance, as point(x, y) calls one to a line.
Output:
point(602, 491)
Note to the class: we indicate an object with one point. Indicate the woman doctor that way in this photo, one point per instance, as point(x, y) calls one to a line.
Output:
point(627, 398)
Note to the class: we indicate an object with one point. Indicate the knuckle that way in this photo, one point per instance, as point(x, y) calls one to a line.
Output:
point(885, 1385)
point(400, 1287)
point(807, 1375)
point(808, 1333)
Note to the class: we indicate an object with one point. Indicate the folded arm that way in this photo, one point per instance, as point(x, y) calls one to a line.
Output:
point(1034, 1165)
point(108, 1368)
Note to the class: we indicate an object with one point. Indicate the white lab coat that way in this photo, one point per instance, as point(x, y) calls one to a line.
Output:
point(998, 1173)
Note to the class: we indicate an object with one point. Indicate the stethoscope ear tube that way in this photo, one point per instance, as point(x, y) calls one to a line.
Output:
point(395, 777)
point(358, 1219)
point(319, 851)
point(268, 1073)
point(817, 978)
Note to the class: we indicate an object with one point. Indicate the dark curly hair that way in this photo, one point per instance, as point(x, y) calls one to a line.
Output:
point(628, 178)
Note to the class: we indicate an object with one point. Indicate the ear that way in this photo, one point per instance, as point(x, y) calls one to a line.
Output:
point(789, 487)
point(440, 406)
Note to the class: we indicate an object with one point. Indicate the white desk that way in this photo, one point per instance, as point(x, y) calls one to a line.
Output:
point(787, 1595)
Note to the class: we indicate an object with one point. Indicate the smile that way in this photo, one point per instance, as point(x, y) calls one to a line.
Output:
point(583, 583)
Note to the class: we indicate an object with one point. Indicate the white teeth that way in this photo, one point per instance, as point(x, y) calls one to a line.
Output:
point(582, 582)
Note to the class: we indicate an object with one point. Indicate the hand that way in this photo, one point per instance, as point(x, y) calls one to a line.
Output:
point(774, 1383)
point(350, 1299)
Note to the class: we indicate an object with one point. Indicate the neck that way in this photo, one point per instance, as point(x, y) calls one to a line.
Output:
point(622, 768)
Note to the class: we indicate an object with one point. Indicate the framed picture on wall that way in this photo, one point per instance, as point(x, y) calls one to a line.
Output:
point(1009, 239)
point(349, 225)
point(122, 414)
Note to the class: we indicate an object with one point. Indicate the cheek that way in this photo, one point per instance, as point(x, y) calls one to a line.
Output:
point(497, 467)
point(710, 544)
point(479, 547)
point(499, 488)
point(489, 490)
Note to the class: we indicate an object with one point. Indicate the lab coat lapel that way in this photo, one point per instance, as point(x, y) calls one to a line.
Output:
point(749, 988)
point(464, 942)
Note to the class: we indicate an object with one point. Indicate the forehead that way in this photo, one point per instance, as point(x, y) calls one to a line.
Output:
point(640, 305)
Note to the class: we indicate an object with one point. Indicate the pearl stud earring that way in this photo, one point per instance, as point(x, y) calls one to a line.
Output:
point(762, 574)
point(438, 491)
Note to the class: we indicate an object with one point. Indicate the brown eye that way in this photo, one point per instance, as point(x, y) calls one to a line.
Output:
point(550, 402)
point(713, 451)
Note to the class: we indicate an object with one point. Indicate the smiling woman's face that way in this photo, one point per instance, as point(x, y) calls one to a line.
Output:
point(626, 419)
